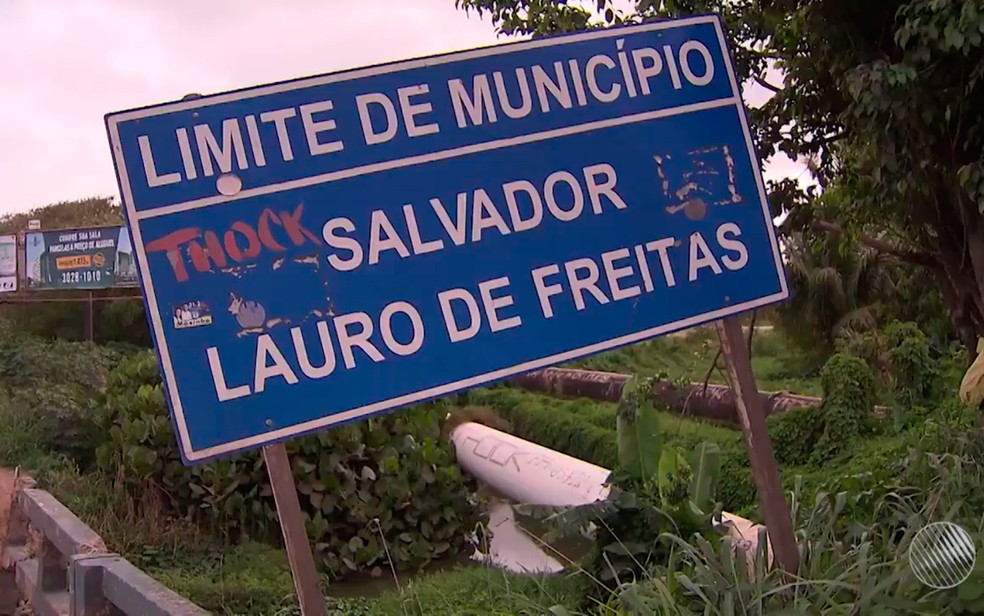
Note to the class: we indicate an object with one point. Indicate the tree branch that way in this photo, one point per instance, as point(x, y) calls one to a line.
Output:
point(765, 84)
point(924, 259)
point(828, 139)
point(761, 53)
point(751, 333)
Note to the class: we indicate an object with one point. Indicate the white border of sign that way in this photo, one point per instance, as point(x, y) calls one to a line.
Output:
point(177, 407)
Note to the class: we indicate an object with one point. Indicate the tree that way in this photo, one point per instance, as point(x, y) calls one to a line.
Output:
point(883, 98)
point(836, 289)
point(842, 287)
point(88, 212)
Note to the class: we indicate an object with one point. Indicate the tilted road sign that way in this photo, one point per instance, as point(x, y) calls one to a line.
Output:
point(325, 249)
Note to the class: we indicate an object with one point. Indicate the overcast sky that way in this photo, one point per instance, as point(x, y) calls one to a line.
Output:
point(66, 63)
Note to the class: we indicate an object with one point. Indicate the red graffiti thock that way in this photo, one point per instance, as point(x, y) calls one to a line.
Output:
point(241, 243)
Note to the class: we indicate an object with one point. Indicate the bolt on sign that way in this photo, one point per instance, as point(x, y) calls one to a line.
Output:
point(317, 251)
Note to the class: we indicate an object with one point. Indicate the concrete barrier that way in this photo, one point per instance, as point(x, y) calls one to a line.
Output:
point(52, 559)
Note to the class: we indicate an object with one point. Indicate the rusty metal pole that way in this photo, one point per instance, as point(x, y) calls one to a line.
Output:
point(765, 471)
point(295, 536)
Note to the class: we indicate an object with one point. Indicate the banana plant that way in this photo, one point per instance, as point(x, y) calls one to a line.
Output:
point(685, 485)
point(655, 490)
point(640, 441)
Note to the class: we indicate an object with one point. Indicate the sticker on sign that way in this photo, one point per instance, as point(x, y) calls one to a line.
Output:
point(369, 239)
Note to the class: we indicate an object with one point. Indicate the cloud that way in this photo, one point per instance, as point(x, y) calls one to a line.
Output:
point(65, 63)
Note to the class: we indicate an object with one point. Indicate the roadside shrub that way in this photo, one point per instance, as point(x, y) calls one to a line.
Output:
point(30, 361)
point(54, 387)
point(815, 435)
point(736, 490)
point(567, 426)
point(848, 403)
point(795, 433)
point(388, 483)
point(917, 378)
point(902, 357)
point(870, 347)
point(63, 420)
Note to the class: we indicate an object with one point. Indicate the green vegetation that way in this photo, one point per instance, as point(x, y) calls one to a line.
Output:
point(861, 486)
point(89, 422)
point(838, 439)
point(885, 266)
point(655, 489)
point(778, 365)
point(217, 545)
point(880, 99)
point(378, 493)
point(255, 579)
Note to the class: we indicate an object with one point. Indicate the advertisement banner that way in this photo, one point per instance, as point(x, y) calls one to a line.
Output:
point(96, 258)
point(8, 263)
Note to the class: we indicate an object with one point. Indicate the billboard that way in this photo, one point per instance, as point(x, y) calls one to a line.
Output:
point(343, 245)
point(94, 258)
point(8, 263)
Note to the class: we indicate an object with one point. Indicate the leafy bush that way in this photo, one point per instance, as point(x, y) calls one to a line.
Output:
point(916, 376)
point(870, 347)
point(377, 489)
point(848, 403)
point(30, 361)
point(814, 435)
point(55, 385)
point(795, 433)
point(568, 426)
point(910, 372)
point(63, 419)
point(944, 450)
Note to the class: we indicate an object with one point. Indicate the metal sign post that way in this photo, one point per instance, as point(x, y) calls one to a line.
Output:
point(765, 471)
point(89, 318)
point(295, 536)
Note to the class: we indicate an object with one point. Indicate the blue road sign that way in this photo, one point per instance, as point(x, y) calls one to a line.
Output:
point(321, 250)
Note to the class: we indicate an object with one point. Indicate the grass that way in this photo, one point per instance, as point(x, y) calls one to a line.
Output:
point(253, 578)
point(480, 591)
point(777, 366)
